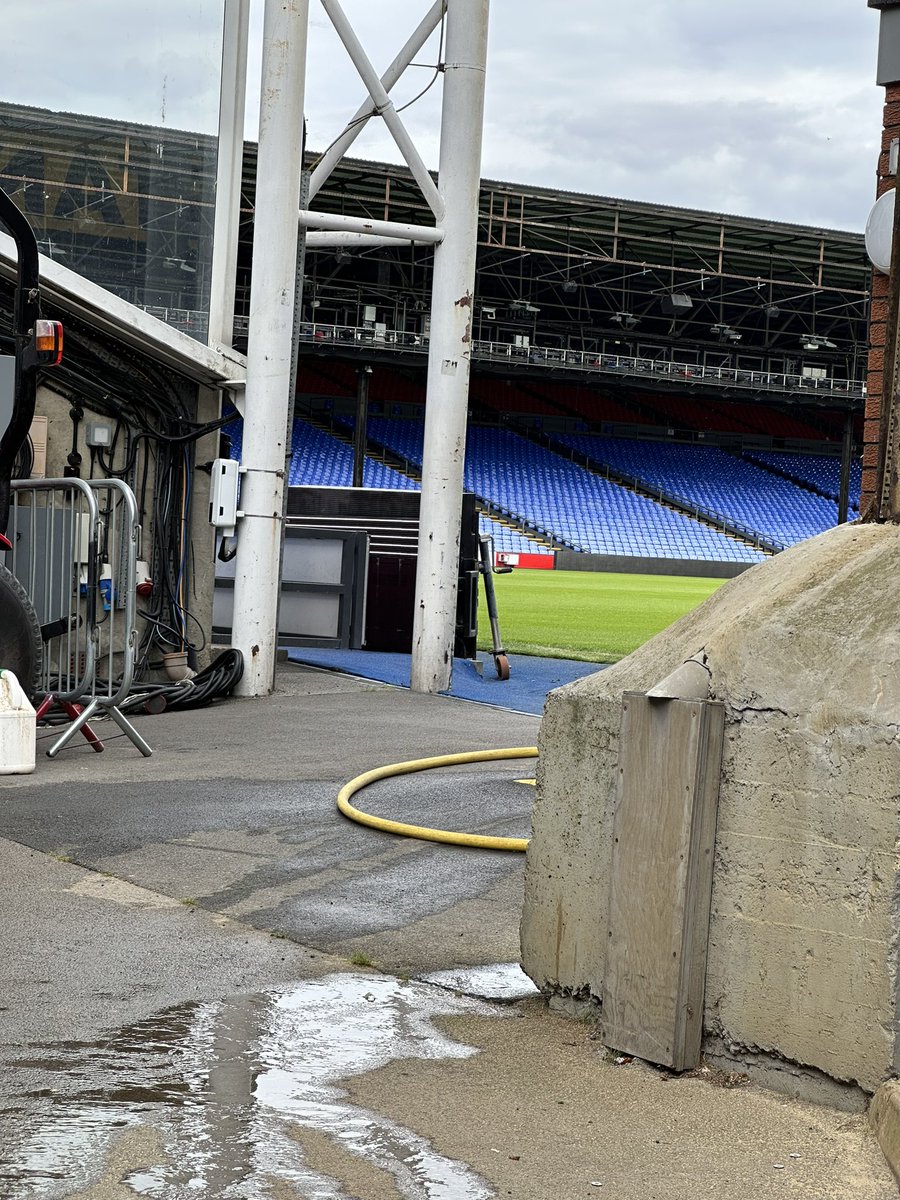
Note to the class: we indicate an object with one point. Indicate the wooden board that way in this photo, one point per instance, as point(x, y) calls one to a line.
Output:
point(670, 758)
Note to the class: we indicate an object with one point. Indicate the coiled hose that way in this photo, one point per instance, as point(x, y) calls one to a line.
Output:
point(476, 840)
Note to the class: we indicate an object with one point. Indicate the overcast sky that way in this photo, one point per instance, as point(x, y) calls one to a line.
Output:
point(767, 109)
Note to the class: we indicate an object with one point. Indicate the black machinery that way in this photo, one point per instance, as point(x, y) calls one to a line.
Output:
point(488, 571)
point(36, 343)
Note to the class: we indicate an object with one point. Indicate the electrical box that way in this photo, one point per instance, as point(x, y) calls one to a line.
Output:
point(38, 435)
point(676, 304)
point(98, 435)
point(223, 495)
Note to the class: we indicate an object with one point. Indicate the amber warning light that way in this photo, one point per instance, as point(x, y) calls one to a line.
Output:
point(48, 342)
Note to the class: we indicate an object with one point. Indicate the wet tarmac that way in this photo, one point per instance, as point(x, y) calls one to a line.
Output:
point(220, 1091)
point(501, 982)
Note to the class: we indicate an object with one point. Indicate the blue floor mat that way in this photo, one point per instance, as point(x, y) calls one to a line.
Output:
point(530, 679)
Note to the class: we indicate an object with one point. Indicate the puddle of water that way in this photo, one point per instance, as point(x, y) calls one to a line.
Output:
point(221, 1084)
point(503, 982)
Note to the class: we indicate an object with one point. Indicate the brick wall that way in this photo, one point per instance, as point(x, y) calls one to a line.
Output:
point(880, 287)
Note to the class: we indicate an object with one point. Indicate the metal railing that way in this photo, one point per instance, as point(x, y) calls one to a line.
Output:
point(552, 357)
point(656, 368)
point(74, 550)
point(590, 361)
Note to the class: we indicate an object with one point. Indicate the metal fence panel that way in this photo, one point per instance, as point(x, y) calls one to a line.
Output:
point(75, 548)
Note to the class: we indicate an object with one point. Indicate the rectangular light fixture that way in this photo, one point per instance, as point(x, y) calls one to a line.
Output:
point(676, 304)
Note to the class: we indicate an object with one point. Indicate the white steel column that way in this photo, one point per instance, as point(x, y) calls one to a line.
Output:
point(257, 574)
point(450, 346)
point(232, 95)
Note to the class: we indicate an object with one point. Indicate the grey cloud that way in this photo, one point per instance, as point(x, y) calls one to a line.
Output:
point(752, 158)
point(766, 107)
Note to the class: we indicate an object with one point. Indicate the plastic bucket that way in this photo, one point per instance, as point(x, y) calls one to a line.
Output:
point(17, 728)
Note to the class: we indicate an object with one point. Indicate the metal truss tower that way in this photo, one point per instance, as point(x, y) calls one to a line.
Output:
point(453, 202)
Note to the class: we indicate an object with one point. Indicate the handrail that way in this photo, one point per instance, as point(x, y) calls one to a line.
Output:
point(553, 357)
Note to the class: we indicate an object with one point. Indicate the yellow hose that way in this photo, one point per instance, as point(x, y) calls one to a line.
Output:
point(476, 840)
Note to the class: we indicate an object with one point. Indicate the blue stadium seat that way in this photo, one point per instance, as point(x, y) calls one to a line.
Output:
point(573, 504)
point(716, 480)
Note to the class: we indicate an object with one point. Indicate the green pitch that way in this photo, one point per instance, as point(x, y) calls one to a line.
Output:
point(591, 615)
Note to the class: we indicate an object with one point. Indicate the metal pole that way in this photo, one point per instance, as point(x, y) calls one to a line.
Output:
point(450, 347)
point(257, 577)
point(846, 457)
point(298, 318)
point(363, 375)
point(337, 222)
point(229, 166)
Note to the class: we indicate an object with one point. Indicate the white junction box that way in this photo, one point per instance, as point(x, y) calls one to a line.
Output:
point(223, 494)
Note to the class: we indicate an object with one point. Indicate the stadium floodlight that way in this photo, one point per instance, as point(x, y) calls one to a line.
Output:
point(626, 319)
point(523, 306)
point(725, 333)
point(569, 286)
point(814, 342)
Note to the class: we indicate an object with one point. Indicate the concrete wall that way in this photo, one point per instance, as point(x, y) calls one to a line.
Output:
point(804, 651)
point(571, 560)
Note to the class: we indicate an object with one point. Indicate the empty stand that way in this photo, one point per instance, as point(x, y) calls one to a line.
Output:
point(717, 481)
point(320, 460)
point(564, 501)
point(821, 472)
point(569, 502)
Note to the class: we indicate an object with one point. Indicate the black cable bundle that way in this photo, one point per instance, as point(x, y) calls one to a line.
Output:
point(214, 682)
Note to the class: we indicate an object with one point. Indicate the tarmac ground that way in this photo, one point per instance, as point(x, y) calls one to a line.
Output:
point(214, 984)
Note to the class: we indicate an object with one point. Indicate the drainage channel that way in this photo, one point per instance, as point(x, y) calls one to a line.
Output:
point(214, 1099)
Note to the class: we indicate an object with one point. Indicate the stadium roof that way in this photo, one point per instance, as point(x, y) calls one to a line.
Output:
point(558, 268)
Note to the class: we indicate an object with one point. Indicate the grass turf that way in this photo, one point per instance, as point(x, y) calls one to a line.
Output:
point(592, 615)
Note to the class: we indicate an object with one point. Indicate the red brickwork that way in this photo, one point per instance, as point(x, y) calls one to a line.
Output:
point(875, 377)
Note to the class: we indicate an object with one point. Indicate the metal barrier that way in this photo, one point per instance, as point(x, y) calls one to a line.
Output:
point(75, 548)
point(756, 379)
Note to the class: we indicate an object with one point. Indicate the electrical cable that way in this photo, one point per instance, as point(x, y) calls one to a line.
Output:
point(214, 682)
point(449, 837)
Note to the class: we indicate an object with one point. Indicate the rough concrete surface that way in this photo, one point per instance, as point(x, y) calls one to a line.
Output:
point(548, 1115)
point(804, 651)
point(884, 1118)
point(235, 811)
point(82, 950)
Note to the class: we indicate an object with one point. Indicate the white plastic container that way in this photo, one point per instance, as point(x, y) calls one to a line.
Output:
point(18, 731)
